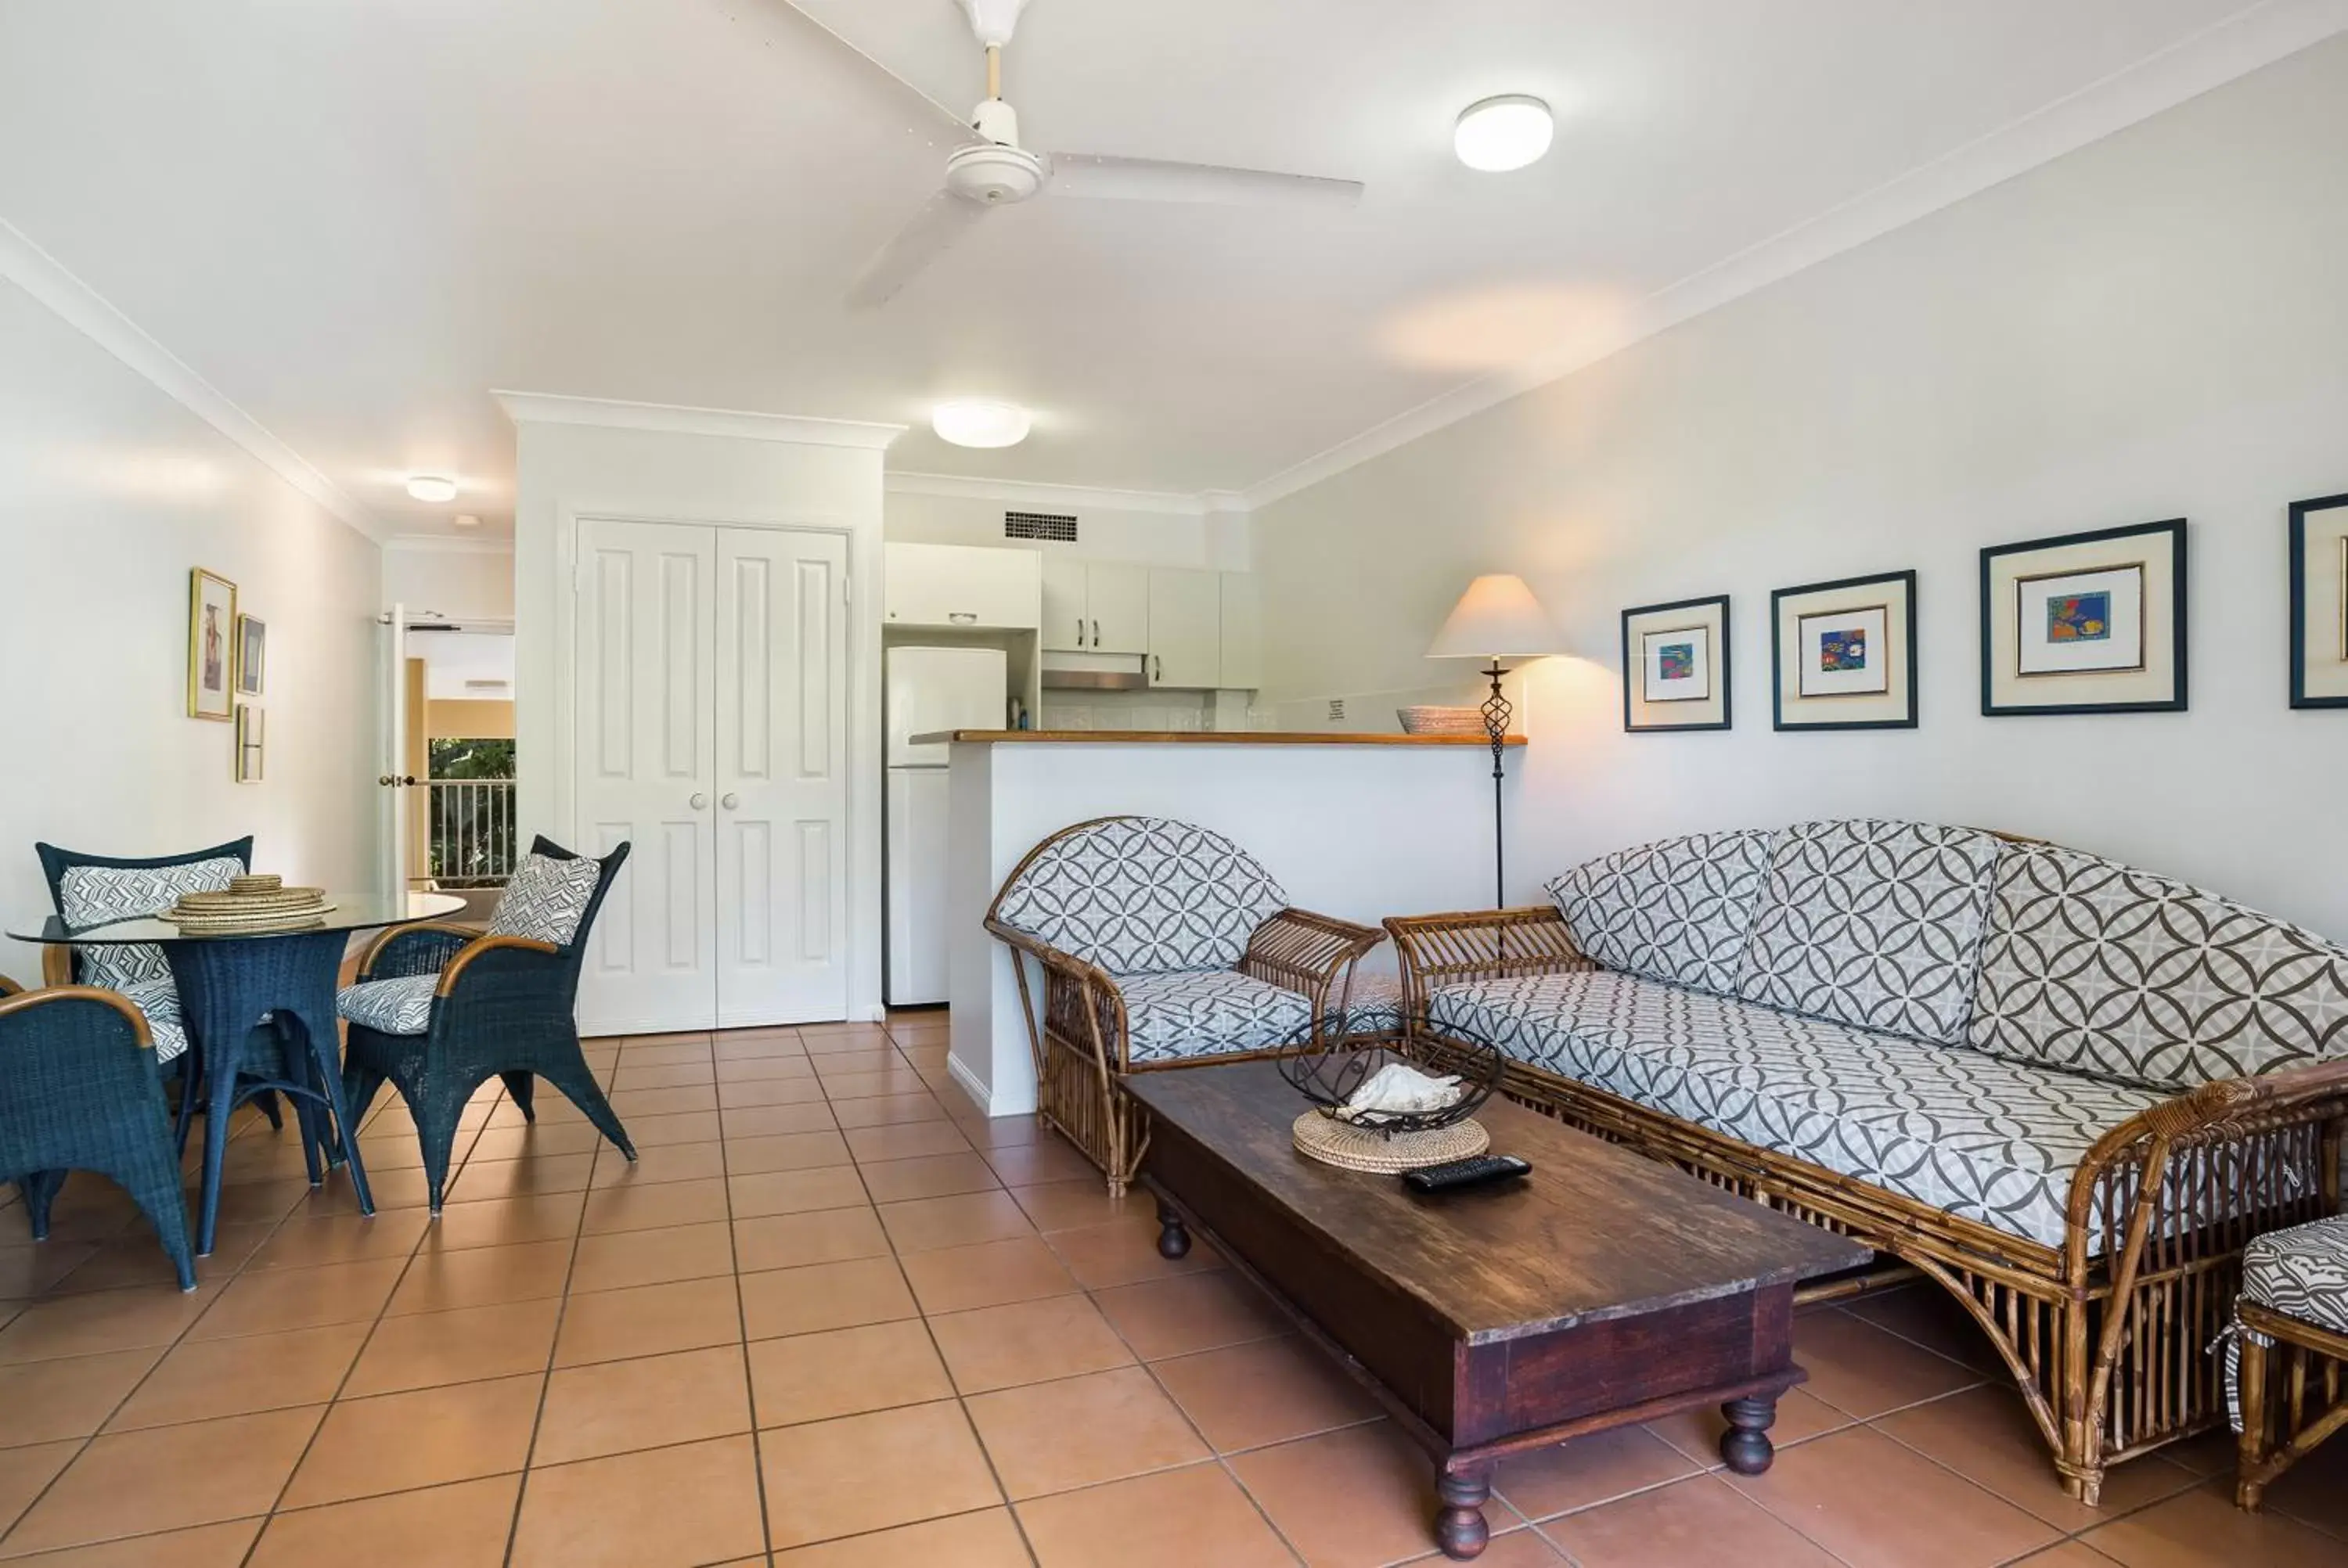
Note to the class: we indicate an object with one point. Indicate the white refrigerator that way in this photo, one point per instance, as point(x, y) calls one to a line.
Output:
point(929, 690)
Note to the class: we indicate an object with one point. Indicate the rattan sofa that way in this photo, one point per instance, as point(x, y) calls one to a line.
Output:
point(2066, 1090)
point(1156, 945)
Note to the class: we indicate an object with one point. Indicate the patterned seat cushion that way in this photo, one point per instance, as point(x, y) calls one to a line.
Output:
point(2099, 968)
point(1140, 895)
point(545, 899)
point(2301, 1273)
point(1987, 1140)
point(400, 1006)
point(1676, 910)
point(1176, 1015)
point(94, 895)
point(1873, 924)
point(1373, 1004)
point(159, 1001)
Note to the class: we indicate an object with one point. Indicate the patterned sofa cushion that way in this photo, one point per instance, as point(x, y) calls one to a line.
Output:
point(1676, 910)
point(1140, 895)
point(1875, 923)
point(1987, 1140)
point(402, 1005)
point(2100, 967)
point(545, 899)
point(94, 895)
point(2300, 1272)
point(1181, 1014)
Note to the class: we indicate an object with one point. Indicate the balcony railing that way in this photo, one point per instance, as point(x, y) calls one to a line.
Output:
point(471, 830)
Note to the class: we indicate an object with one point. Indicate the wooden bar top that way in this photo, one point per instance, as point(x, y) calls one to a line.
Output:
point(1200, 738)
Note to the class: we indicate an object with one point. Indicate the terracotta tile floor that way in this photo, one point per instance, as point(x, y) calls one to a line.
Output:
point(834, 1320)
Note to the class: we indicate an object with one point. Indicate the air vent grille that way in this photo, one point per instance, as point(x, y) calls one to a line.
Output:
point(1050, 526)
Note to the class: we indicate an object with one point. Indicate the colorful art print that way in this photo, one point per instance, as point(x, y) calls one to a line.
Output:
point(1675, 666)
point(1678, 664)
point(1844, 652)
point(1675, 662)
point(2091, 622)
point(2079, 622)
point(212, 627)
point(251, 655)
point(2079, 617)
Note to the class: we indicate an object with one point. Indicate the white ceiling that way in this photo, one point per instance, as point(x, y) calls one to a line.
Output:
point(355, 219)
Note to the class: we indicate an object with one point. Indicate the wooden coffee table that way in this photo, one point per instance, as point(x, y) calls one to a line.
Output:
point(1606, 1289)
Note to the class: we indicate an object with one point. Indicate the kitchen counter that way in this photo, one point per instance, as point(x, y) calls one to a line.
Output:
point(1200, 737)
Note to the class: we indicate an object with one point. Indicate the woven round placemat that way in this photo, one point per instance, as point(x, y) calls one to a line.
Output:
point(260, 882)
point(220, 914)
point(1334, 1142)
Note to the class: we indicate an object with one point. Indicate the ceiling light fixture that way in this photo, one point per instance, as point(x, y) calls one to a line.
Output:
point(465, 520)
point(981, 422)
point(1497, 135)
point(431, 488)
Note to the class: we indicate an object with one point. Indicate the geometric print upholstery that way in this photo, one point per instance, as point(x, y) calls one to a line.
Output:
point(544, 900)
point(1873, 924)
point(1177, 1015)
point(159, 1001)
point(2301, 1273)
point(94, 895)
point(1970, 1135)
point(1141, 895)
point(1676, 910)
point(398, 1006)
point(2099, 968)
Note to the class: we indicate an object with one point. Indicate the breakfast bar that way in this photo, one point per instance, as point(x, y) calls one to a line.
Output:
point(1360, 827)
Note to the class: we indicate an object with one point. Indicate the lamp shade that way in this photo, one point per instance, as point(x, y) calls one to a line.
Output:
point(1497, 618)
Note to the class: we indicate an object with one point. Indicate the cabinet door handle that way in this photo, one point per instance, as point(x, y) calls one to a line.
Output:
point(699, 801)
point(1158, 665)
point(1096, 634)
point(961, 616)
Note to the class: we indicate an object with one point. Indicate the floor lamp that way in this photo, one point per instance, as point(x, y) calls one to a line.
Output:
point(1497, 618)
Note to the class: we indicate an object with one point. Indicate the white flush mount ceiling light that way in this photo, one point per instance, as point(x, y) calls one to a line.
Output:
point(431, 488)
point(1497, 135)
point(980, 422)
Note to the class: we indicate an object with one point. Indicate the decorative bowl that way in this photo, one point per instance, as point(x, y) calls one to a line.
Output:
point(1441, 721)
point(1327, 1072)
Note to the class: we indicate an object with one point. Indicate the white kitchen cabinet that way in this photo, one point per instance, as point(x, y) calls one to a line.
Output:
point(1066, 629)
point(1186, 628)
point(1243, 618)
point(1093, 608)
point(962, 586)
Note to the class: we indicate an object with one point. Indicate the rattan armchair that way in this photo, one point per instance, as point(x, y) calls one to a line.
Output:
point(1142, 945)
point(497, 1005)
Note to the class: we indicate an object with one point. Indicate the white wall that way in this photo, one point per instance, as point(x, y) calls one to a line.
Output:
point(110, 492)
point(2154, 326)
point(566, 472)
point(453, 580)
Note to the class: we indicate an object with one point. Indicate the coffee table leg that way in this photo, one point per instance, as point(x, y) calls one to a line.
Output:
point(1173, 1240)
point(1459, 1527)
point(1745, 1444)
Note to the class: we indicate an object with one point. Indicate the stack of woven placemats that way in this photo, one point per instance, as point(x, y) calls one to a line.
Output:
point(249, 904)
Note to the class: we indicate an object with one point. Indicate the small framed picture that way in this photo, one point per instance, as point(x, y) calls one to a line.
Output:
point(251, 655)
point(212, 650)
point(1845, 653)
point(2319, 603)
point(2085, 623)
point(1675, 666)
point(251, 722)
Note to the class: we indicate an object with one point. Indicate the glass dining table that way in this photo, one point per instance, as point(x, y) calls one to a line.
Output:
point(259, 1009)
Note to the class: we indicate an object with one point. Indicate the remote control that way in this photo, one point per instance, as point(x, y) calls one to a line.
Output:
point(1474, 1171)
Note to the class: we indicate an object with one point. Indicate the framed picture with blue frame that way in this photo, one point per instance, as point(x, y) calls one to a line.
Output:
point(1843, 654)
point(1675, 666)
point(2090, 623)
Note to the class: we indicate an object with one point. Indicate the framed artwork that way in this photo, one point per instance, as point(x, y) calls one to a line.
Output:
point(1675, 666)
point(212, 651)
point(251, 655)
point(2085, 623)
point(2319, 603)
point(1844, 653)
point(250, 752)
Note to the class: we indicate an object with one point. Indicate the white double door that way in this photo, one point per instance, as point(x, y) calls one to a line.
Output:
point(712, 735)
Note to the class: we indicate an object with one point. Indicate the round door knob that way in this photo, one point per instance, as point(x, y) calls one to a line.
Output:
point(385, 780)
point(699, 801)
point(729, 800)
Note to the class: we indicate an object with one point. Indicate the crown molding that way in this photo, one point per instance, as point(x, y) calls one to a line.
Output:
point(2220, 53)
point(46, 279)
point(1023, 493)
point(613, 413)
point(446, 545)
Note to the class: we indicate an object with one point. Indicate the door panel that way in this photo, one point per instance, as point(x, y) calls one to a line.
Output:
point(1066, 628)
point(1186, 628)
point(645, 751)
point(1117, 606)
point(782, 777)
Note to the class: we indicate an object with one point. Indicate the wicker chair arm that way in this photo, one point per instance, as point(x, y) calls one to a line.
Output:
point(15, 999)
point(500, 953)
point(56, 964)
point(424, 948)
point(1097, 999)
point(1434, 950)
point(8, 988)
point(1054, 958)
point(1301, 952)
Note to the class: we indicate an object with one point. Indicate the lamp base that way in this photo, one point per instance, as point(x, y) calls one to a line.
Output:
point(1497, 714)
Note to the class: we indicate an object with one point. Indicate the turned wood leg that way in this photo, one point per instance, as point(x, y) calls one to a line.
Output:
point(1173, 1240)
point(1745, 1444)
point(1459, 1527)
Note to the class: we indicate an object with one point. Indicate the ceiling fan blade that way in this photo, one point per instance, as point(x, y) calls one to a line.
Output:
point(775, 21)
point(931, 234)
point(1148, 179)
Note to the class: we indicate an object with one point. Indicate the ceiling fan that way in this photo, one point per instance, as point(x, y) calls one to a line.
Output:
point(987, 167)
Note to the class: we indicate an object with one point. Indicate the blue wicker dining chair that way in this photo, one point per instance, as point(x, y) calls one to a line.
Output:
point(80, 1092)
point(441, 1010)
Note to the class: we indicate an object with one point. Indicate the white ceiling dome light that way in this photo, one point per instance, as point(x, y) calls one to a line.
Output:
point(1497, 135)
point(981, 422)
point(433, 488)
